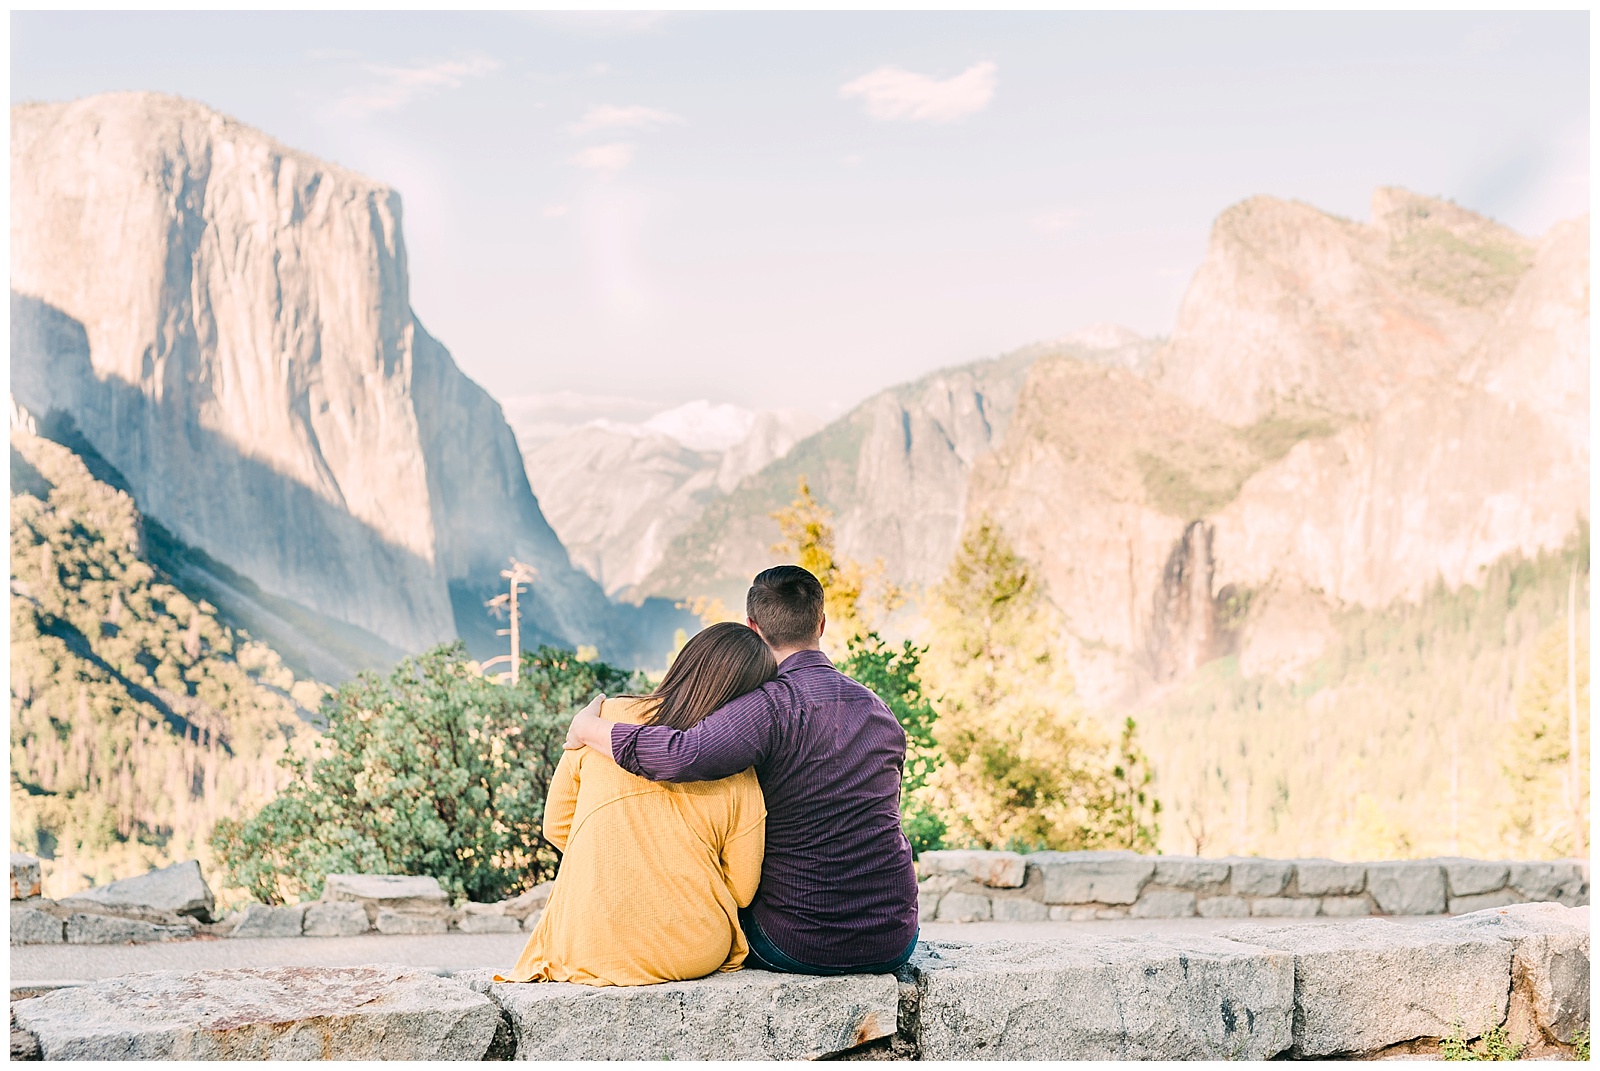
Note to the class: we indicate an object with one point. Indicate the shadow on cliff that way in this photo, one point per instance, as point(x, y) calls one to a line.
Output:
point(115, 427)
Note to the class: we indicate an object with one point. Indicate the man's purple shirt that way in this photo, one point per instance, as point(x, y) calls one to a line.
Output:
point(838, 887)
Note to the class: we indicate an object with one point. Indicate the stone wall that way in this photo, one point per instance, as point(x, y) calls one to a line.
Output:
point(175, 903)
point(972, 886)
point(1336, 989)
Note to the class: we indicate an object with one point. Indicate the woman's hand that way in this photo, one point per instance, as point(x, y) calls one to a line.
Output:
point(586, 724)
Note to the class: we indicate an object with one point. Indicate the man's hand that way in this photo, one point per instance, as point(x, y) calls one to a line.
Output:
point(587, 730)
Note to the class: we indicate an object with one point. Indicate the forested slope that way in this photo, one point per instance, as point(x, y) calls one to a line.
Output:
point(138, 716)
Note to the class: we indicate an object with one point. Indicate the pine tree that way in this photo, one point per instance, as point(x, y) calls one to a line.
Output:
point(1024, 768)
point(1541, 819)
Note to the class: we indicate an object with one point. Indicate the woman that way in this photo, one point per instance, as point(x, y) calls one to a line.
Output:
point(653, 874)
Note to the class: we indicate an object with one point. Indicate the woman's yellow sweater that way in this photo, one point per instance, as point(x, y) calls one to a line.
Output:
point(652, 874)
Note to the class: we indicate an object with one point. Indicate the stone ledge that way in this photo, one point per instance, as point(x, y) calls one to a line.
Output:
point(1364, 985)
point(1365, 988)
point(383, 1011)
point(742, 1015)
point(1101, 999)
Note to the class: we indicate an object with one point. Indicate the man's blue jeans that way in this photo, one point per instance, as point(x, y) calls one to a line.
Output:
point(766, 956)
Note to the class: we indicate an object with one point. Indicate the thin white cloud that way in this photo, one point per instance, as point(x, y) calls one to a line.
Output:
point(628, 117)
point(893, 94)
point(392, 88)
point(608, 159)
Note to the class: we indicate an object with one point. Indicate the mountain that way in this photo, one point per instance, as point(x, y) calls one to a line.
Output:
point(138, 715)
point(894, 471)
point(1293, 306)
point(1326, 525)
point(1338, 419)
point(227, 322)
point(617, 494)
point(910, 444)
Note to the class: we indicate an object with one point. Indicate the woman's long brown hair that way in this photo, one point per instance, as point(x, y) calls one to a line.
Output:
point(720, 663)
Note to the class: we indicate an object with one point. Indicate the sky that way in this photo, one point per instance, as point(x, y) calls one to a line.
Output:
point(618, 213)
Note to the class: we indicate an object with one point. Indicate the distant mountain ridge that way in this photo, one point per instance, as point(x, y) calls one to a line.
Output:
point(618, 493)
point(227, 322)
point(894, 471)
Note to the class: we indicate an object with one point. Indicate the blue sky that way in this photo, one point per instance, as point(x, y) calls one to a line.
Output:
point(796, 209)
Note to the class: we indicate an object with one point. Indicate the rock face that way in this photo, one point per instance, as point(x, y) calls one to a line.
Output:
point(1103, 999)
point(215, 310)
point(1345, 413)
point(383, 1012)
point(179, 888)
point(1292, 303)
point(1472, 444)
point(748, 1014)
point(618, 495)
point(894, 471)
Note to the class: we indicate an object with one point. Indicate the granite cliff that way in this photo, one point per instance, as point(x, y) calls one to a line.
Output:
point(227, 322)
point(1346, 414)
point(1332, 526)
point(894, 471)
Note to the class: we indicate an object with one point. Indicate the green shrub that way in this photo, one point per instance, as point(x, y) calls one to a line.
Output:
point(433, 770)
point(891, 672)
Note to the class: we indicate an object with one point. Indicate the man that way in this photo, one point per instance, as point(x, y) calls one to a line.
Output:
point(838, 891)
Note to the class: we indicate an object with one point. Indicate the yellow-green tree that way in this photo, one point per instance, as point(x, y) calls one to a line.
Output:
point(1024, 768)
point(861, 653)
point(1545, 819)
point(808, 538)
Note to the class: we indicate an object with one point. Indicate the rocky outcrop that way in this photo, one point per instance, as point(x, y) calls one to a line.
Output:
point(972, 886)
point(179, 888)
point(1296, 307)
point(1097, 484)
point(1451, 474)
point(215, 311)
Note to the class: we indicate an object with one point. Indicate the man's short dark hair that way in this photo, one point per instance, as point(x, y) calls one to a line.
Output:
point(785, 602)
